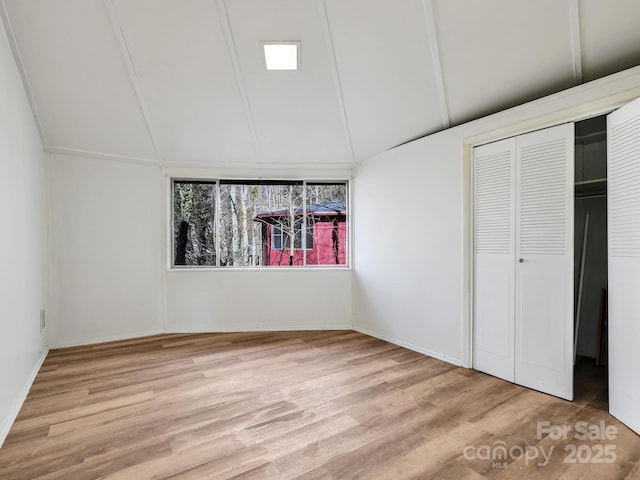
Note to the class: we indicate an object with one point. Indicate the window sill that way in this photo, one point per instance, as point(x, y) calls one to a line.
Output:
point(284, 268)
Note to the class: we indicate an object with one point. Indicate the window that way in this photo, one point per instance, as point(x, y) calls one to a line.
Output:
point(277, 238)
point(245, 223)
point(194, 223)
point(280, 239)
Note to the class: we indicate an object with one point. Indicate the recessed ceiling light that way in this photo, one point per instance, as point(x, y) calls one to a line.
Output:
point(281, 55)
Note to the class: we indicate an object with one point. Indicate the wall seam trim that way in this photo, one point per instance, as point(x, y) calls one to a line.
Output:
point(125, 51)
point(333, 65)
point(432, 34)
point(13, 42)
point(576, 44)
point(242, 88)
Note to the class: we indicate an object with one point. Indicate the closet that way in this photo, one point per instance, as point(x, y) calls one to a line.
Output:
point(590, 260)
point(526, 192)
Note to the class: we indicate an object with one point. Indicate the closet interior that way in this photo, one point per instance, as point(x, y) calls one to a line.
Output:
point(590, 260)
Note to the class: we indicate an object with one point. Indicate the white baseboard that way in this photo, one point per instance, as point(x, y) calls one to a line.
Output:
point(76, 342)
point(454, 361)
point(7, 423)
point(253, 328)
point(195, 329)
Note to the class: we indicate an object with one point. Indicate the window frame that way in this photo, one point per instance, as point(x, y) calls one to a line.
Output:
point(297, 235)
point(218, 181)
point(279, 235)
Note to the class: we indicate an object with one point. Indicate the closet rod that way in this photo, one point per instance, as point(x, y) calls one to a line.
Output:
point(589, 182)
point(600, 195)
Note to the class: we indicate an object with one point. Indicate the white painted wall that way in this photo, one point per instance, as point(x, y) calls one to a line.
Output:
point(242, 299)
point(105, 224)
point(109, 275)
point(408, 246)
point(411, 221)
point(250, 300)
point(22, 242)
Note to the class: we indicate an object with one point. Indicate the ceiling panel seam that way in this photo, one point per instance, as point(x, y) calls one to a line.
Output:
point(233, 55)
point(576, 44)
point(335, 73)
point(435, 59)
point(234, 169)
point(131, 70)
point(75, 152)
point(23, 73)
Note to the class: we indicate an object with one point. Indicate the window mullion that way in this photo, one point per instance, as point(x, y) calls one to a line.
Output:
point(303, 232)
point(292, 225)
point(216, 218)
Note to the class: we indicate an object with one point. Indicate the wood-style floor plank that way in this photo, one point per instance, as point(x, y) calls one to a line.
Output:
point(293, 405)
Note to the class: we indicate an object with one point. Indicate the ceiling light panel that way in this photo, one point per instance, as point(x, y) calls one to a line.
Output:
point(281, 55)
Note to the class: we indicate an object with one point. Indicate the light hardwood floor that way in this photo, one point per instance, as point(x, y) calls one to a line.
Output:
point(308, 405)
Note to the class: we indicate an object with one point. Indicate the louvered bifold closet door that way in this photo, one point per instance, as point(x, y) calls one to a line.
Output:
point(623, 160)
point(544, 260)
point(493, 194)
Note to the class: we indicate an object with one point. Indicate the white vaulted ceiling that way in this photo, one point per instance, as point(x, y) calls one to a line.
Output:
point(182, 82)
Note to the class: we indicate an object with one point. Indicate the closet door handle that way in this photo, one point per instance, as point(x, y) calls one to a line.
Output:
point(521, 260)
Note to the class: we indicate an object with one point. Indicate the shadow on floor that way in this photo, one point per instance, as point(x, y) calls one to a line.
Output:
point(590, 384)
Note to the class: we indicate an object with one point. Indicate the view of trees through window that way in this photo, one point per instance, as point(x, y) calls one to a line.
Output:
point(251, 223)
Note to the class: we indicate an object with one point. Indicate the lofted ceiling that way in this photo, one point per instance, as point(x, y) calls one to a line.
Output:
point(182, 82)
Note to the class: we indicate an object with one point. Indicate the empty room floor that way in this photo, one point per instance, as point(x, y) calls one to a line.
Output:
point(307, 405)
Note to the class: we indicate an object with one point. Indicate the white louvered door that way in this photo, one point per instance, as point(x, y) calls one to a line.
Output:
point(623, 165)
point(544, 266)
point(494, 229)
point(523, 254)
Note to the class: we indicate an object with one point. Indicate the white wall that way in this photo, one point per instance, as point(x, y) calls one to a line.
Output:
point(244, 300)
point(410, 282)
point(109, 275)
point(411, 221)
point(22, 241)
point(105, 224)
point(408, 248)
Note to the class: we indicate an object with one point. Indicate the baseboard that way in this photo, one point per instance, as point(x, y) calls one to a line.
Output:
point(77, 342)
point(195, 329)
point(454, 361)
point(22, 396)
point(254, 328)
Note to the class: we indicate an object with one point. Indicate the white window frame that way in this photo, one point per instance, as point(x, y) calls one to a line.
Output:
point(173, 175)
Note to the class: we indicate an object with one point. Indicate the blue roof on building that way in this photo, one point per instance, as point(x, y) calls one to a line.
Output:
point(328, 208)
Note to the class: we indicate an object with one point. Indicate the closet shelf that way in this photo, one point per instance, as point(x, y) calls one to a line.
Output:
point(596, 186)
point(589, 182)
